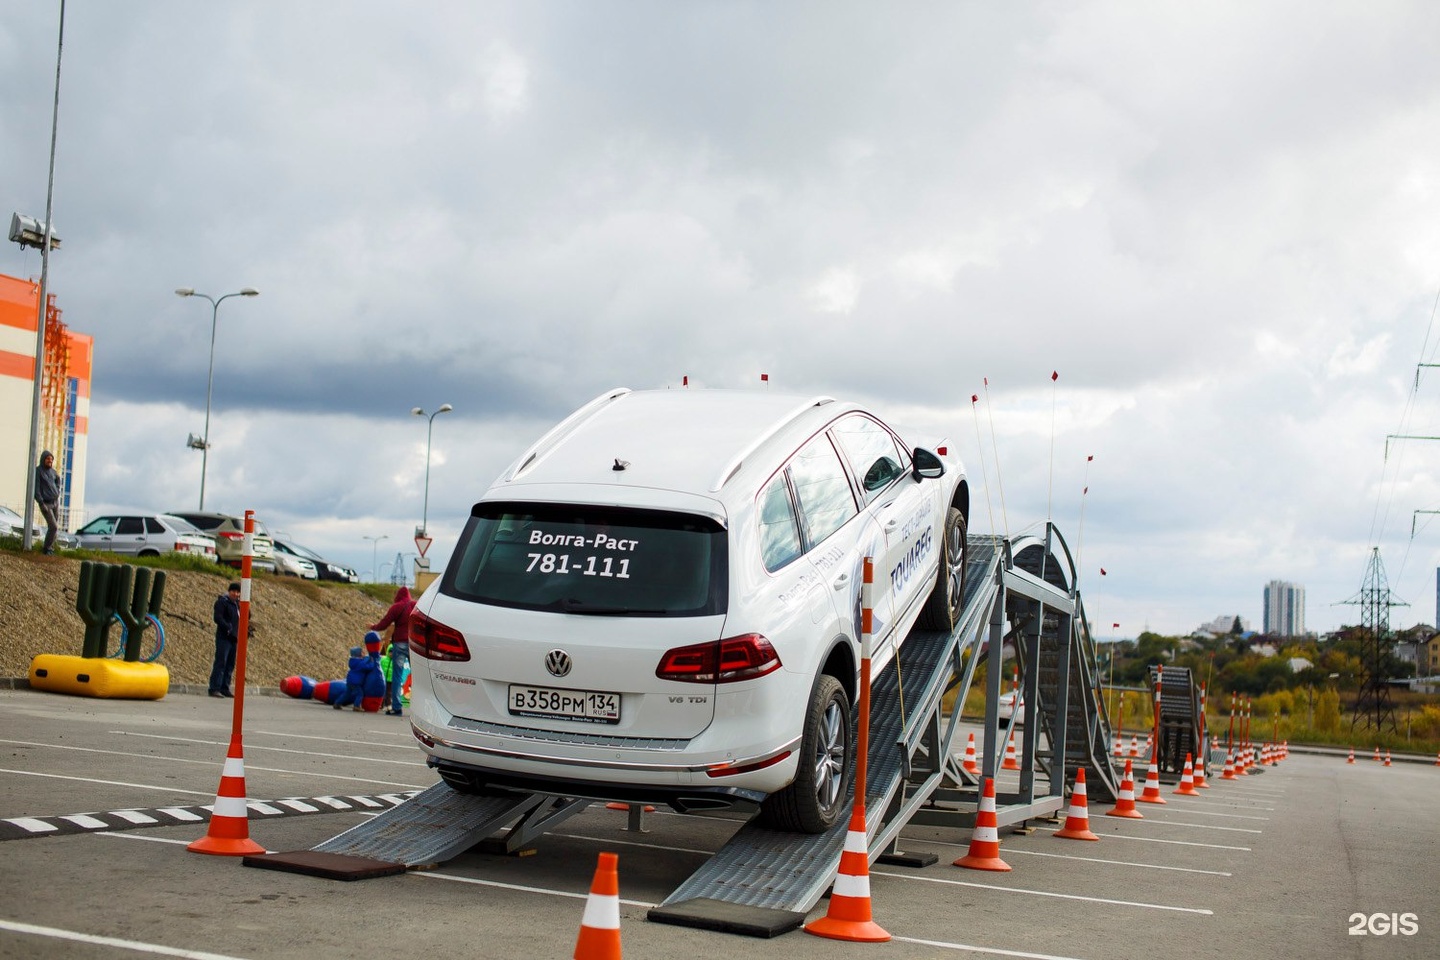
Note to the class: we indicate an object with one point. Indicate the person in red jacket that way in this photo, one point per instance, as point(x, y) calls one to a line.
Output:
point(397, 616)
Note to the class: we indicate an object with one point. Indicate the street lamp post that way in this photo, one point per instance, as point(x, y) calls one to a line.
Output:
point(429, 430)
point(204, 443)
point(375, 555)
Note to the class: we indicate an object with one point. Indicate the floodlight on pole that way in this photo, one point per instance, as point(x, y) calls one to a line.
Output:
point(429, 430)
point(203, 443)
point(375, 555)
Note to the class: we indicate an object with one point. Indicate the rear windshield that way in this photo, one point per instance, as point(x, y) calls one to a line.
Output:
point(600, 561)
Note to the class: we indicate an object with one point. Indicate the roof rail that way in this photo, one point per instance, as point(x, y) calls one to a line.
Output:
point(739, 458)
point(563, 429)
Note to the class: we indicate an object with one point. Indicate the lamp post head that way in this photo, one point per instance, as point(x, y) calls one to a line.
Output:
point(185, 292)
point(445, 408)
point(417, 412)
point(249, 292)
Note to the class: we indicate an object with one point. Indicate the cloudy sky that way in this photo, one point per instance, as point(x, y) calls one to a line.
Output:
point(1220, 223)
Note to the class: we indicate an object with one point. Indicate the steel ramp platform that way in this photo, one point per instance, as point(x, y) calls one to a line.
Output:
point(431, 827)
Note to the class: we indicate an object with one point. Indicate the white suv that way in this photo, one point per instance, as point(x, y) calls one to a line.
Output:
point(659, 602)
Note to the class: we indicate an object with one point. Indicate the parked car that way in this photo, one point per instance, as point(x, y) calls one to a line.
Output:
point(1005, 707)
point(325, 569)
point(146, 535)
point(229, 534)
point(659, 601)
point(292, 564)
point(12, 524)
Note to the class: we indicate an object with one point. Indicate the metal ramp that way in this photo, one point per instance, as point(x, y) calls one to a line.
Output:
point(763, 882)
point(1066, 649)
point(432, 827)
point(1179, 730)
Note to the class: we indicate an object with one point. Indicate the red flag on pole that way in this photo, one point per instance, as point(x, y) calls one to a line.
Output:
point(1102, 571)
point(1089, 458)
point(764, 378)
point(1085, 491)
point(974, 398)
point(1054, 375)
point(685, 381)
point(1114, 626)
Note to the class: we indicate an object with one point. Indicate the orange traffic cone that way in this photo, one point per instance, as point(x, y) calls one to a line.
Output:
point(1151, 793)
point(849, 915)
point(969, 765)
point(1229, 772)
point(1077, 818)
point(1134, 746)
point(1187, 780)
point(985, 840)
point(1387, 758)
point(1125, 797)
point(600, 926)
point(1200, 764)
point(1437, 759)
point(1376, 758)
point(1118, 745)
point(1010, 763)
point(1351, 758)
point(229, 833)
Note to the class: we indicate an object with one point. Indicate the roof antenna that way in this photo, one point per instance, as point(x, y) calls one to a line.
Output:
point(620, 464)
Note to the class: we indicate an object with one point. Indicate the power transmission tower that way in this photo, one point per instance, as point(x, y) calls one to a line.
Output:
point(1373, 705)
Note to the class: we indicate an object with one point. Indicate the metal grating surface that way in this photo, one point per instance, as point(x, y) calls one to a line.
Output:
point(431, 827)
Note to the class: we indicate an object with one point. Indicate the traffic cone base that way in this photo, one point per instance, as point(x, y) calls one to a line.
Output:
point(1151, 793)
point(599, 937)
point(848, 917)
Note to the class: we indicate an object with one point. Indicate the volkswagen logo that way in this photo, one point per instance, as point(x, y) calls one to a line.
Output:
point(558, 663)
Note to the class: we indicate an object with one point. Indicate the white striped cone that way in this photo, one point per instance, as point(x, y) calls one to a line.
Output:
point(1125, 796)
point(848, 917)
point(985, 840)
point(599, 937)
point(968, 764)
point(1077, 818)
point(1351, 758)
point(1118, 745)
point(1376, 758)
point(1387, 758)
point(1134, 747)
point(1151, 793)
point(1010, 763)
point(1187, 779)
point(1229, 772)
point(1200, 764)
point(229, 833)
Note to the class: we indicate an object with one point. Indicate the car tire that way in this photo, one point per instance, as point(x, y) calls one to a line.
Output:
point(149, 553)
point(942, 609)
point(814, 801)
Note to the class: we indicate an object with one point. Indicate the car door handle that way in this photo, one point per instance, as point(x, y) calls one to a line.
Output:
point(891, 525)
point(842, 581)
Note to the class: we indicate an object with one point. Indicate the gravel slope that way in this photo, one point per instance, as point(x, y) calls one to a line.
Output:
point(299, 627)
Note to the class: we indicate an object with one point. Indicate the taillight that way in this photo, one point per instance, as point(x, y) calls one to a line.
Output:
point(229, 535)
point(720, 661)
point(433, 640)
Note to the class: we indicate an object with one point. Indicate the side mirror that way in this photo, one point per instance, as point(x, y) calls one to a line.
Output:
point(927, 466)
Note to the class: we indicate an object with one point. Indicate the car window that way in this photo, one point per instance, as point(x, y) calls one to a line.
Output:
point(590, 560)
point(779, 530)
point(205, 523)
point(99, 527)
point(180, 525)
point(872, 453)
point(130, 525)
point(154, 526)
point(822, 489)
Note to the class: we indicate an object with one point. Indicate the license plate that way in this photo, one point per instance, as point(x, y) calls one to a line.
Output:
point(590, 706)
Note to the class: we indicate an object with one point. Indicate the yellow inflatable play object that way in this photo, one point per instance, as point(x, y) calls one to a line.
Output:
point(99, 677)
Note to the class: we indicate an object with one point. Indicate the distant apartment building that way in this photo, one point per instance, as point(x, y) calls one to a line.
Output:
point(1284, 609)
point(64, 397)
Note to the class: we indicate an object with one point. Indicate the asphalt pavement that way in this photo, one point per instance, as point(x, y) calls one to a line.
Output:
point(98, 799)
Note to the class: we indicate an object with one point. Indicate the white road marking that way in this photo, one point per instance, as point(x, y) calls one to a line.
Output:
point(107, 783)
point(430, 874)
point(303, 753)
point(1041, 893)
point(54, 933)
point(1182, 843)
point(969, 948)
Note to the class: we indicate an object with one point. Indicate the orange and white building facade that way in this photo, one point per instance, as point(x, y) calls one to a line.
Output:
point(64, 398)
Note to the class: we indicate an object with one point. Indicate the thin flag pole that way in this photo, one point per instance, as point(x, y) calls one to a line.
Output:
point(1050, 494)
point(999, 483)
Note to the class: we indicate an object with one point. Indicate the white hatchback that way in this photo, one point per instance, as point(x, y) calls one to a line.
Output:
point(659, 602)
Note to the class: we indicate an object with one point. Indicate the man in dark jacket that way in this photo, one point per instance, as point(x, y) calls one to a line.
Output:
point(227, 637)
point(47, 496)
